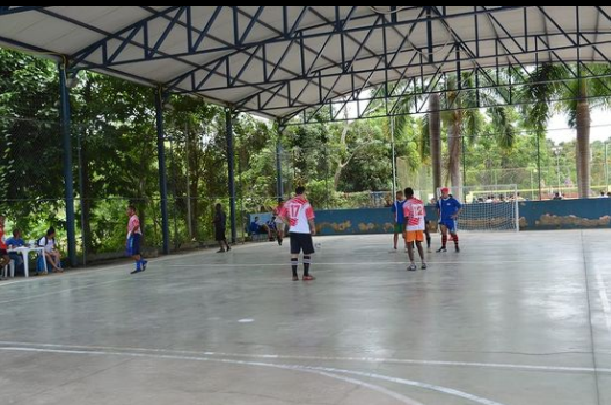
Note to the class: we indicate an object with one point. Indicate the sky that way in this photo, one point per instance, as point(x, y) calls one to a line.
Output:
point(558, 127)
point(600, 129)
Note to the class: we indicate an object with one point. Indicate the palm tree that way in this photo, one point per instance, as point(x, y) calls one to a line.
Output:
point(432, 126)
point(590, 93)
point(551, 82)
point(464, 121)
point(403, 122)
point(453, 121)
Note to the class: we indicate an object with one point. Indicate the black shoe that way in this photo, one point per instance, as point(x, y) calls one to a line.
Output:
point(228, 249)
point(221, 251)
point(456, 249)
point(442, 249)
point(144, 263)
point(136, 271)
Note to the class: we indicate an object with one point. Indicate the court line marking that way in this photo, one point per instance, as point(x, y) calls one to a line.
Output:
point(330, 372)
point(604, 298)
point(122, 266)
point(80, 272)
point(350, 380)
point(27, 298)
point(316, 263)
point(441, 363)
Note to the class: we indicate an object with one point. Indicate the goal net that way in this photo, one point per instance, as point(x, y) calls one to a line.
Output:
point(487, 208)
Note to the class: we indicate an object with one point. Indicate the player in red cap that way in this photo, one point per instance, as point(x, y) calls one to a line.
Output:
point(448, 209)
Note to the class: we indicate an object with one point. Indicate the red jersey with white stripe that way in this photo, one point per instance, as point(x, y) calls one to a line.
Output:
point(2, 238)
point(299, 212)
point(413, 210)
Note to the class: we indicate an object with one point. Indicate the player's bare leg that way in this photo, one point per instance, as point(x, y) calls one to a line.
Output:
point(410, 253)
point(421, 254)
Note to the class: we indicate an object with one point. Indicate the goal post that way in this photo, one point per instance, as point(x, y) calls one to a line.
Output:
point(487, 208)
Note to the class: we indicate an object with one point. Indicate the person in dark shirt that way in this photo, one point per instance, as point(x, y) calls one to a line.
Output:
point(220, 223)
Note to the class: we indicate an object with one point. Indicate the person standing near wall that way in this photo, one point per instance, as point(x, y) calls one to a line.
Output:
point(448, 212)
point(397, 210)
point(279, 220)
point(220, 223)
point(132, 244)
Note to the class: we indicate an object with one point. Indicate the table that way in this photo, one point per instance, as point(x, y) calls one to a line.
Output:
point(25, 251)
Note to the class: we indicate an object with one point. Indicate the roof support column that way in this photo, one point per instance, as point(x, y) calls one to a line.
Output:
point(279, 153)
point(66, 128)
point(230, 169)
point(163, 182)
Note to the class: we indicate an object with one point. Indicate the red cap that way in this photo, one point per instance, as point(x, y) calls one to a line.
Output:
point(445, 190)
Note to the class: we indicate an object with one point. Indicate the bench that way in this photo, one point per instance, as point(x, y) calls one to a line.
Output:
point(264, 217)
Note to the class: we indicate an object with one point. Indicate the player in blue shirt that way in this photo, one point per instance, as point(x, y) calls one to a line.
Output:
point(397, 211)
point(448, 210)
point(16, 241)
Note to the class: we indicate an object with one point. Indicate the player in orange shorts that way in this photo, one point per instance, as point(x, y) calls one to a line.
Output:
point(413, 211)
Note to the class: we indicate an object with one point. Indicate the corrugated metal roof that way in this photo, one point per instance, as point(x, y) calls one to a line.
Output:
point(282, 59)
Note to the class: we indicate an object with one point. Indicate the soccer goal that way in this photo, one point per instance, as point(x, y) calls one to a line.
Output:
point(488, 208)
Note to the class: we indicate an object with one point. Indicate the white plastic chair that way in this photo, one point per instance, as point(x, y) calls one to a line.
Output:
point(9, 269)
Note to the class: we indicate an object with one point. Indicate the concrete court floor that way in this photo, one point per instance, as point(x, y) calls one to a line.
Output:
point(514, 319)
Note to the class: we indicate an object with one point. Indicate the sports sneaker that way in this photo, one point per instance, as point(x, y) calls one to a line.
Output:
point(423, 267)
point(442, 249)
point(308, 278)
point(412, 267)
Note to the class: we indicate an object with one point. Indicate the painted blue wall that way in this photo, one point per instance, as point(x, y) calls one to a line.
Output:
point(564, 214)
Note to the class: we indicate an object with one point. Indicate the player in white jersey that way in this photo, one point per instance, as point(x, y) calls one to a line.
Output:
point(299, 214)
point(413, 211)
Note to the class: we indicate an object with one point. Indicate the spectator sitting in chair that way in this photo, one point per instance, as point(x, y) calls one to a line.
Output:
point(51, 252)
point(258, 227)
point(271, 228)
point(12, 243)
point(4, 258)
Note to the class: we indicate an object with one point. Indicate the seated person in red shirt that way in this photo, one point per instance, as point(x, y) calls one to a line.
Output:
point(4, 258)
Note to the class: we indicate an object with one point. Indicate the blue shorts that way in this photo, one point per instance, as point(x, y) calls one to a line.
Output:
point(449, 223)
point(132, 246)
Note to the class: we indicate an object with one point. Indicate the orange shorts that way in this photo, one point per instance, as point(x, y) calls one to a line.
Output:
point(414, 236)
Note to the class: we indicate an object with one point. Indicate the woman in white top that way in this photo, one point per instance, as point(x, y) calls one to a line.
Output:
point(51, 253)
